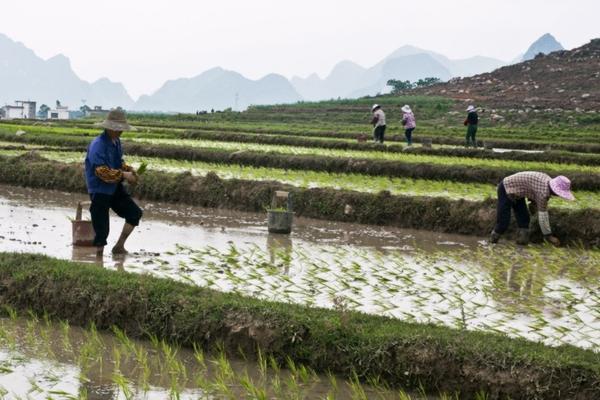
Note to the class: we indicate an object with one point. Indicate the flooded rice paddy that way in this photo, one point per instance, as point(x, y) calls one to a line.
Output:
point(40, 359)
point(539, 293)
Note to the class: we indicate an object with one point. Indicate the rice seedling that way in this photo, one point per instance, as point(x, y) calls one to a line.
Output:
point(469, 291)
point(312, 179)
point(374, 155)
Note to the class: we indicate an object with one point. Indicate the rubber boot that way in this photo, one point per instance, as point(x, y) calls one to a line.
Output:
point(494, 237)
point(523, 236)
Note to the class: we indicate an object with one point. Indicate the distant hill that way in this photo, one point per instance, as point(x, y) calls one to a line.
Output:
point(410, 67)
point(545, 45)
point(218, 89)
point(350, 80)
point(562, 79)
point(336, 84)
point(25, 76)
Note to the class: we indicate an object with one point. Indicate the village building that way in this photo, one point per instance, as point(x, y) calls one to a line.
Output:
point(29, 108)
point(59, 112)
point(11, 112)
point(21, 110)
point(97, 111)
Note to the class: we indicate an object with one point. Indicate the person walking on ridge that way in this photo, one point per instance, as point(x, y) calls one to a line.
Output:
point(409, 123)
point(378, 122)
point(105, 172)
point(471, 123)
point(538, 187)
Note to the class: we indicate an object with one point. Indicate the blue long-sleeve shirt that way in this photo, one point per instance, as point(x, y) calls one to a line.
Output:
point(103, 151)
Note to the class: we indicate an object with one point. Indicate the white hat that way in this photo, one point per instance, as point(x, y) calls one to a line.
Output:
point(375, 106)
point(471, 108)
point(406, 108)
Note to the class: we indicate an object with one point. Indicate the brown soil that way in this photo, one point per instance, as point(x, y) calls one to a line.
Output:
point(568, 80)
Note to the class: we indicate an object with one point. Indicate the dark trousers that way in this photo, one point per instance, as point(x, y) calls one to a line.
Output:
point(121, 203)
point(505, 204)
point(408, 133)
point(378, 133)
point(471, 131)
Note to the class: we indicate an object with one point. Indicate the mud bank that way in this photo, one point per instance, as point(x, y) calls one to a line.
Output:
point(564, 157)
point(434, 214)
point(364, 166)
point(437, 139)
point(402, 354)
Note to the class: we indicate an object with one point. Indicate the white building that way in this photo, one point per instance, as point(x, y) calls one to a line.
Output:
point(21, 110)
point(29, 108)
point(13, 112)
point(60, 112)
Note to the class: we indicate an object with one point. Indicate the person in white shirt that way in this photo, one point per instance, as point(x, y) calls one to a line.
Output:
point(378, 122)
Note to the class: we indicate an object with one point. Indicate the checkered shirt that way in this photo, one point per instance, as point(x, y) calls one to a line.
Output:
point(529, 184)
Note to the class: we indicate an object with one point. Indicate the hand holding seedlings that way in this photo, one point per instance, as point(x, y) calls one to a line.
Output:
point(553, 239)
point(130, 177)
point(142, 168)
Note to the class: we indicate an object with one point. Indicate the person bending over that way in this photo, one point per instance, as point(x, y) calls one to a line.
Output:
point(538, 188)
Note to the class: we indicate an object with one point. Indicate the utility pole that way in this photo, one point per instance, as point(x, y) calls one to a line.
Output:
point(237, 98)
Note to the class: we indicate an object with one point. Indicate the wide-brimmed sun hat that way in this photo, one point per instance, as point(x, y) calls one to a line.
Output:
point(375, 107)
point(561, 186)
point(470, 108)
point(116, 120)
point(406, 108)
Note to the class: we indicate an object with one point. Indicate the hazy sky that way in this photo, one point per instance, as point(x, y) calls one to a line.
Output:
point(143, 43)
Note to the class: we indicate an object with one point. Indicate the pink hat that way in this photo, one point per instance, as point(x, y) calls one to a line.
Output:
point(561, 186)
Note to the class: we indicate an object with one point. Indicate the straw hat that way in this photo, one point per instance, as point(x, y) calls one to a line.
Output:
point(561, 186)
point(375, 107)
point(470, 108)
point(406, 108)
point(116, 120)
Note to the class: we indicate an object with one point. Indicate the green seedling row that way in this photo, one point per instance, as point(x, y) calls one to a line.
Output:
point(40, 358)
point(310, 179)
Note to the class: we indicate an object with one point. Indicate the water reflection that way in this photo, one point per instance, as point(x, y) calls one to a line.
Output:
point(280, 248)
point(86, 254)
point(520, 281)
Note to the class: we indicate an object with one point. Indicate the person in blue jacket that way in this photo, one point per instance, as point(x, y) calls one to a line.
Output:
point(105, 172)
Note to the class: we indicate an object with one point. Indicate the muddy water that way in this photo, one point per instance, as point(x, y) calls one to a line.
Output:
point(537, 293)
point(42, 360)
point(33, 220)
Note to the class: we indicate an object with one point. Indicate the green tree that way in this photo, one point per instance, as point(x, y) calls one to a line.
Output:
point(399, 86)
point(43, 111)
point(427, 82)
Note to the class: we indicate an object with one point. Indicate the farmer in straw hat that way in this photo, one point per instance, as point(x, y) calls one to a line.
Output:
point(538, 188)
point(378, 122)
point(105, 171)
point(408, 121)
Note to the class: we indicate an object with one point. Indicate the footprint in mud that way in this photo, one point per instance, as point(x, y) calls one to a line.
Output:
point(144, 253)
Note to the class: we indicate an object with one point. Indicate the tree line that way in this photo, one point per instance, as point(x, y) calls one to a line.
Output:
point(399, 86)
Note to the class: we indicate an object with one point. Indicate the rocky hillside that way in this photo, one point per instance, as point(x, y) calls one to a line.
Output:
point(568, 80)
